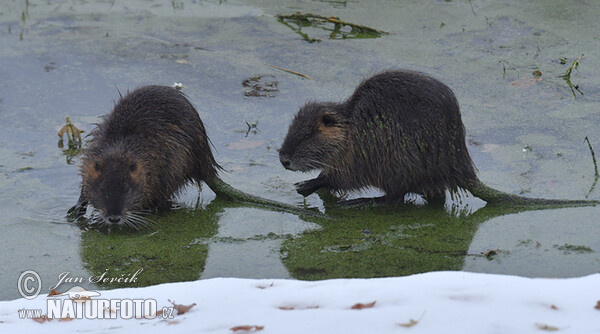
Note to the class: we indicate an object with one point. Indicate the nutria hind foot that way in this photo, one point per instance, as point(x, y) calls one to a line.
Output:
point(79, 208)
point(308, 187)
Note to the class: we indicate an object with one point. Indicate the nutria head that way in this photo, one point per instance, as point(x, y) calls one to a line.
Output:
point(316, 139)
point(113, 182)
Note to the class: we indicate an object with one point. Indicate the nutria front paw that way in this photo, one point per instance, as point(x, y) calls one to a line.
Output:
point(305, 188)
point(79, 208)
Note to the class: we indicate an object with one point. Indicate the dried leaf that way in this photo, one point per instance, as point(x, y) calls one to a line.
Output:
point(265, 286)
point(290, 308)
point(490, 253)
point(247, 328)
point(597, 307)
point(65, 319)
point(81, 299)
point(42, 319)
point(359, 306)
point(412, 322)
point(181, 309)
point(547, 327)
point(553, 307)
point(409, 324)
point(53, 292)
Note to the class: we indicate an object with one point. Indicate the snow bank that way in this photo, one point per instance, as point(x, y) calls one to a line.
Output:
point(439, 302)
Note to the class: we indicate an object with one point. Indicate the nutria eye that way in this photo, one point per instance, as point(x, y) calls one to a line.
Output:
point(133, 167)
point(97, 167)
point(328, 120)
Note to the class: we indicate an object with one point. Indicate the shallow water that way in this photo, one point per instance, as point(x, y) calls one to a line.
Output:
point(525, 135)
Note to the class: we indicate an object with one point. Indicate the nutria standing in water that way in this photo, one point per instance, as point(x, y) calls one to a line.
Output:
point(150, 145)
point(400, 131)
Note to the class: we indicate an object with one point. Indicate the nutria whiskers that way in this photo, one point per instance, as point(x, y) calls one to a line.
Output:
point(400, 131)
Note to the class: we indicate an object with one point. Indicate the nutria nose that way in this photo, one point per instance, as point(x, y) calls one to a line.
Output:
point(284, 161)
point(114, 219)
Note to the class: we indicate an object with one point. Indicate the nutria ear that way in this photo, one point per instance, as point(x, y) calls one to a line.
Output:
point(329, 120)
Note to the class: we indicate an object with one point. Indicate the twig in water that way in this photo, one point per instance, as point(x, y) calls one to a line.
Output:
point(290, 71)
point(596, 175)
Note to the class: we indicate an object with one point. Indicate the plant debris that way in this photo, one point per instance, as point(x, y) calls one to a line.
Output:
point(548, 328)
point(490, 253)
point(53, 292)
point(42, 319)
point(181, 309)
point(596, 175)
point(360, 306)
point(260, 86)
point(336, 28)
point(292, 308)
point(73, 135)
point(247, 328)
point(567, 76)
point(290, 71)
point(412, 322)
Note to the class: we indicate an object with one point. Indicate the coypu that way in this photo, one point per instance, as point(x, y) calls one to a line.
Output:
point(152, 143)
point(400, 131)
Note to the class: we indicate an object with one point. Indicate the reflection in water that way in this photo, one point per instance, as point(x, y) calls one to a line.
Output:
point(405, 240)
point(222, 240)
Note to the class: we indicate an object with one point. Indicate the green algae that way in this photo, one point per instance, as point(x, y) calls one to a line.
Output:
point(386, 241)
point(166, 251)
point(568, 249)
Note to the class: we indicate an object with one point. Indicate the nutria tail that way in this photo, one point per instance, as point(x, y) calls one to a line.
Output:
point(498, 198)
point(225, 191)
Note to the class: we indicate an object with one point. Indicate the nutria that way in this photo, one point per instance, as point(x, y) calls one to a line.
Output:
point(150, 145)
point(400, 131)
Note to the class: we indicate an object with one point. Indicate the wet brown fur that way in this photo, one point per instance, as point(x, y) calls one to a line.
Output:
point(151, 144)
point(400, 131)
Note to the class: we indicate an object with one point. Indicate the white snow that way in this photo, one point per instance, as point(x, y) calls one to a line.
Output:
point(438, 302)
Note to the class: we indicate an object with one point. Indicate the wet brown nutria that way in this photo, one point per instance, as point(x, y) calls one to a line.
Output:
point(400, 131)
point(150, 145)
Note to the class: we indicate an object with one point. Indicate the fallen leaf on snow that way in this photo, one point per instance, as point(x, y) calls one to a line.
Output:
point(597, 307)
point(53, 292)
point(81, 298)
point(548, 328)
point(42, 319)
point(65, 319)
point(290, 308)
point(409, 324)
point(265, 286)
point(359, 306)
point(412, 322)
point(181, 309)
point(247, 328)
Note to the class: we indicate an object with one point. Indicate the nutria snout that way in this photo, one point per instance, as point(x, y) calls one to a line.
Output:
point(400, 131)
